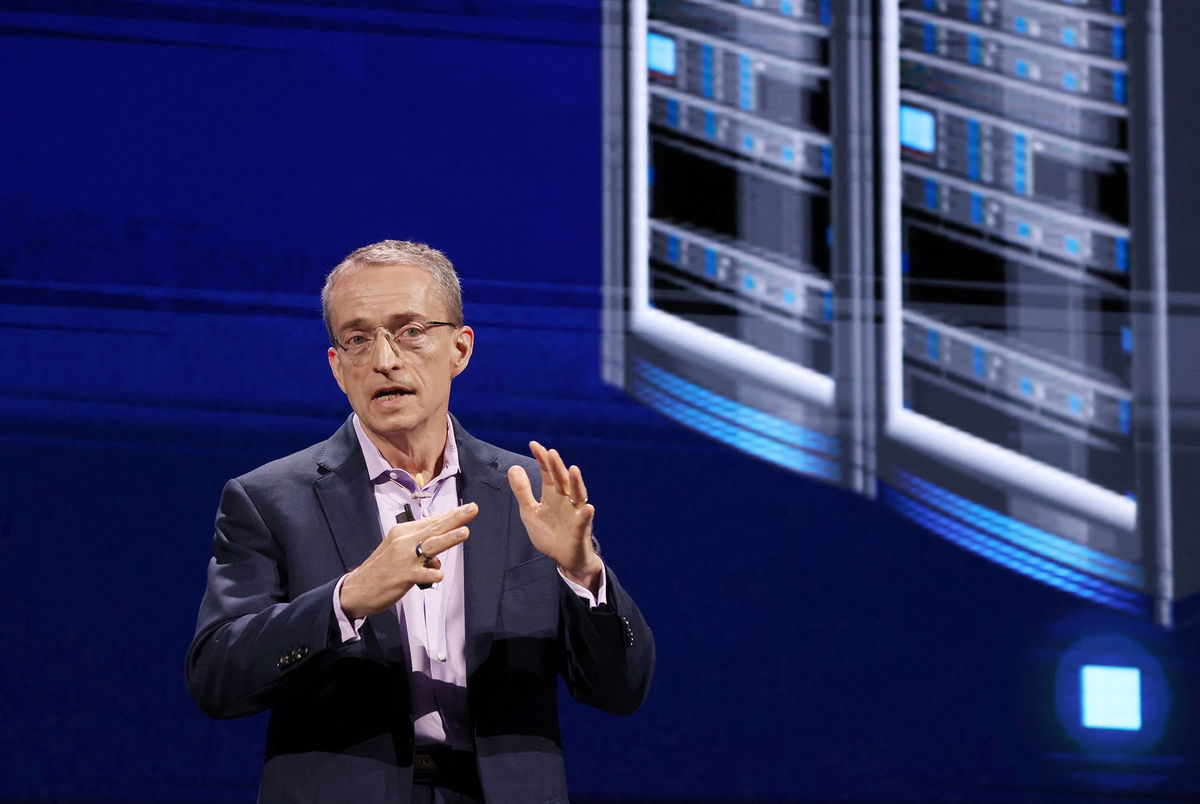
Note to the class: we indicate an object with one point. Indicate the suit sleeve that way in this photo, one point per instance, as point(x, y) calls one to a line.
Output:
point(608, 658)
point(254, 644)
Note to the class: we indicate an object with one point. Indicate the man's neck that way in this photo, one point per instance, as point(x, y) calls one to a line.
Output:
point(418, 454)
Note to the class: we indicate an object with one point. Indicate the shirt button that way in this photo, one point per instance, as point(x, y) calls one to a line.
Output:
point(441, 656)
point(392, 475)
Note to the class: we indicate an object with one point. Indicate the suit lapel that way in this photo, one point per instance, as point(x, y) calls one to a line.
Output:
point(485, 552)
point(344, 491)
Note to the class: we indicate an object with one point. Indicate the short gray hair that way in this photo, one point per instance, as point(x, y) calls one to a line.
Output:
point(399, 252)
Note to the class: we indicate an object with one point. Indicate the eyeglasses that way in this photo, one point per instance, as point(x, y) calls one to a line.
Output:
point(359, 344)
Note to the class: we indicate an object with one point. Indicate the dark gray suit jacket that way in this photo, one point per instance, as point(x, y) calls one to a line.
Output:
point(341, 728)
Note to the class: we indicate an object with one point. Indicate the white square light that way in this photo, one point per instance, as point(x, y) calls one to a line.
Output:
point(1112, 697)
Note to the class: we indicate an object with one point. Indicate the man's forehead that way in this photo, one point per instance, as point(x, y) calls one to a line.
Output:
point(386, 289)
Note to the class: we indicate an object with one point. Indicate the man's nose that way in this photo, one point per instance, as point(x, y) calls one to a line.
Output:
point(385, 355)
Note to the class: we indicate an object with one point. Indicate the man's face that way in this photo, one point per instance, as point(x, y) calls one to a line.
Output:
point(398, 394)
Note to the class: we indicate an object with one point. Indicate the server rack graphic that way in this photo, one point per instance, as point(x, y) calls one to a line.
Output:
point(920, 248)
point(728, 303)
point(1017, 420)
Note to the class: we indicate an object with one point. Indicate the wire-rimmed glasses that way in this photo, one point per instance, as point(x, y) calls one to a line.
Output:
point(359, 344)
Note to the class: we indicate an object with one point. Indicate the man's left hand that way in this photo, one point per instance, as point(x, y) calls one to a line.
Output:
point(560, 524)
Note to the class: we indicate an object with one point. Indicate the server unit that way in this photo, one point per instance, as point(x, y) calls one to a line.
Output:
point(974, 191)
point(730, 296)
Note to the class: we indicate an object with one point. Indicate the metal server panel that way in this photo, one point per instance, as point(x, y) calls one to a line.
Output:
point(1008, 325)
point(727, 319)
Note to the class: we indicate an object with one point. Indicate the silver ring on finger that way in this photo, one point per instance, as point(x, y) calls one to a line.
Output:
point(575, 503)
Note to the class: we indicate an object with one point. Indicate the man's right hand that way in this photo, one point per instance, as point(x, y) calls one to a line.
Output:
point(394, 567)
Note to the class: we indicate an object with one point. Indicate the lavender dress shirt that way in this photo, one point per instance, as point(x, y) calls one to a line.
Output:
point(434, 620)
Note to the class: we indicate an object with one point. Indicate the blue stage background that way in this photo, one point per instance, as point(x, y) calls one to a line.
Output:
point(175, 180)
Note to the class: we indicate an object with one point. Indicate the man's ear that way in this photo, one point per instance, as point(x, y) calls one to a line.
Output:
point(335, 366)
point(464, 345)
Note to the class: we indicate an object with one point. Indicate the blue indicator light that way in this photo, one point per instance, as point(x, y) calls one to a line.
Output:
point(918, 129)
point(1118, 87)
point(673, 248)
point(746, 87)
point(785, 8)
point(1126, 340)
point(933, 344)
point(1072, 246)
point(1122, 254)
point(1019, 184)
point(827, 305)
point(930, 42)
point(710, 263)
point(904, 263)
point(788, 154)
point(1027, 386)
point(1118, 6)
point(660, 53)
point(826, 160)
point(1075, 404)
point(1111, 697)
point(931, 5)
point(1070, 37)
point(979, 361)
point(1123, 415)
point(1023, 230)
point(973, 10)
point(748, 282)
point(748, 142)
point(825, 12)
point(1021, 25)
point(710, 125)
point(1022, 68)
point(974, 49)
point(977, 209)
point(1118, 43)
point(931, 194)
point(706, 70)
point(789, 298)
point(1070, 81)
point(673, 113)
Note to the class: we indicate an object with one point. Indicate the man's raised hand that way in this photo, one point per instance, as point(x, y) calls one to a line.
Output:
point(560, 524)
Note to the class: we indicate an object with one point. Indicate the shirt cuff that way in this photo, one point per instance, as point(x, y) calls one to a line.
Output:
point(593, 600)
point(348, 630)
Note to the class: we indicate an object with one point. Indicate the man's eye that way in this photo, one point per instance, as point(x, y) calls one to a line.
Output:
point(357, 339)
point(411, 332)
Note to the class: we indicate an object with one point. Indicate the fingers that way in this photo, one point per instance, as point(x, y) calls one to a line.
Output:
point(433, 545)
point(578, 490)
point(434, 525)
point(553, 469)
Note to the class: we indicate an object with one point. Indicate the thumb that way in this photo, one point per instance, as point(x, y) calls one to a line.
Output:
point(518, 481)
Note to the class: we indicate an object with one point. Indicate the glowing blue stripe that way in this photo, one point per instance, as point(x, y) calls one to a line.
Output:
point(1027, 536)
point(741, 415)
point(744, 440)
point(1014, 558)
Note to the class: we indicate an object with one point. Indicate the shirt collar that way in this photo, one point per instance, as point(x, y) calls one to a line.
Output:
point(379, 471)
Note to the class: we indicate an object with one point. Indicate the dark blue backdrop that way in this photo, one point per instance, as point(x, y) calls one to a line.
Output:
point(176, 178)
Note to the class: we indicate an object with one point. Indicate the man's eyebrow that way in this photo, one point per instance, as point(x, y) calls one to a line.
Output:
point(406, 316)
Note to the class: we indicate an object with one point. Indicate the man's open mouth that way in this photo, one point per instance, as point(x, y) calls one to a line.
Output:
point(390, 393)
